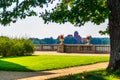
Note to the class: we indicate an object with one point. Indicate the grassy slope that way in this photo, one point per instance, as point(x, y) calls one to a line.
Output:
point(92, 75)
point(47, 62)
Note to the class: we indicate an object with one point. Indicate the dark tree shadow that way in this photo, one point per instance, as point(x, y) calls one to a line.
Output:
point(81, 76)
point(9, 66)
point(9, 71)
point(92, 75)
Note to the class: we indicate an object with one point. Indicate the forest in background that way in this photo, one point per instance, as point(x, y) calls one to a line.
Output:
point(71, 39)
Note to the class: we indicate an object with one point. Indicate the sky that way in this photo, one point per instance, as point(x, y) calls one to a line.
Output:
point(35, 27)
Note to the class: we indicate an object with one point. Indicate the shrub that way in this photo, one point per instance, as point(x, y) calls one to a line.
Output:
point(15, 47)
point(5, 46)
point(28, 47)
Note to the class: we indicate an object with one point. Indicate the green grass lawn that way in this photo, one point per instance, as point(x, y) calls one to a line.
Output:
point(92, 75)
point(47, 62)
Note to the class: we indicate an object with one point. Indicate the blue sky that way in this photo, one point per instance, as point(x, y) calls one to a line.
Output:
point(35, 27)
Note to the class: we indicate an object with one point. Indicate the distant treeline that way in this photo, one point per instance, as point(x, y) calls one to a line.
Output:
point(70, 40)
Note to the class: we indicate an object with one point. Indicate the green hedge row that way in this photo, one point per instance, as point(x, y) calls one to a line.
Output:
point(15, 47)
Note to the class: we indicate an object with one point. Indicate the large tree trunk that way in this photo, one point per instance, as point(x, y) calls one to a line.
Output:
point(114, 29)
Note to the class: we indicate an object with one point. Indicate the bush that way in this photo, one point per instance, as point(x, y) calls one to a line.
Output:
point(5, 46)
point(23, 47)
point(15, 47)
point(28, 47)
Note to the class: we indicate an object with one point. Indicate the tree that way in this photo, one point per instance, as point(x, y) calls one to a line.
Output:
point(70, 40)
point(114, 30)
point(48, 40)
point(78, 12)
point(12, 10)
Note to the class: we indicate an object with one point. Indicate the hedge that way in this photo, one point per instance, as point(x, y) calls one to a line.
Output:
point(15, 47)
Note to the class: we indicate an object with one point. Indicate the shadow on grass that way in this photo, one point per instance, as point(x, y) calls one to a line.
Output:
point(9, 71)
point(92, 75)
point(9, 66)
point(82, 76)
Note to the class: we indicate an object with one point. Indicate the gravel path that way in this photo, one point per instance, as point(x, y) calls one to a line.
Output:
point(43, 75)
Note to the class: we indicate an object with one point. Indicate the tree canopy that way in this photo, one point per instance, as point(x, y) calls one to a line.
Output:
point(11, 10)
point(78, 12)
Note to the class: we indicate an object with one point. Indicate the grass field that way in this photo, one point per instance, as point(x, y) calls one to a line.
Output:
point(47, 62)
point(92, 75)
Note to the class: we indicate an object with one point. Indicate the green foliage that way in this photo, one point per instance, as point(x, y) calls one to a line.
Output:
point(78, 12)
point(47, 62)
point(5, 46)
point(92, 75)
point(22, 47)
point(28, 46)
point(15, 47)
point(104, 32)
point(11, 10)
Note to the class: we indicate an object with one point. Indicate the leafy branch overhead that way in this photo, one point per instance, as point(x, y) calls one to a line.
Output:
point(11, 10)
point(104, 32)
point(78, 12)
point(75, 11)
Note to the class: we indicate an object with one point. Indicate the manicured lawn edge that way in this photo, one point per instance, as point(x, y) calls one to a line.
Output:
point(47, 62)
